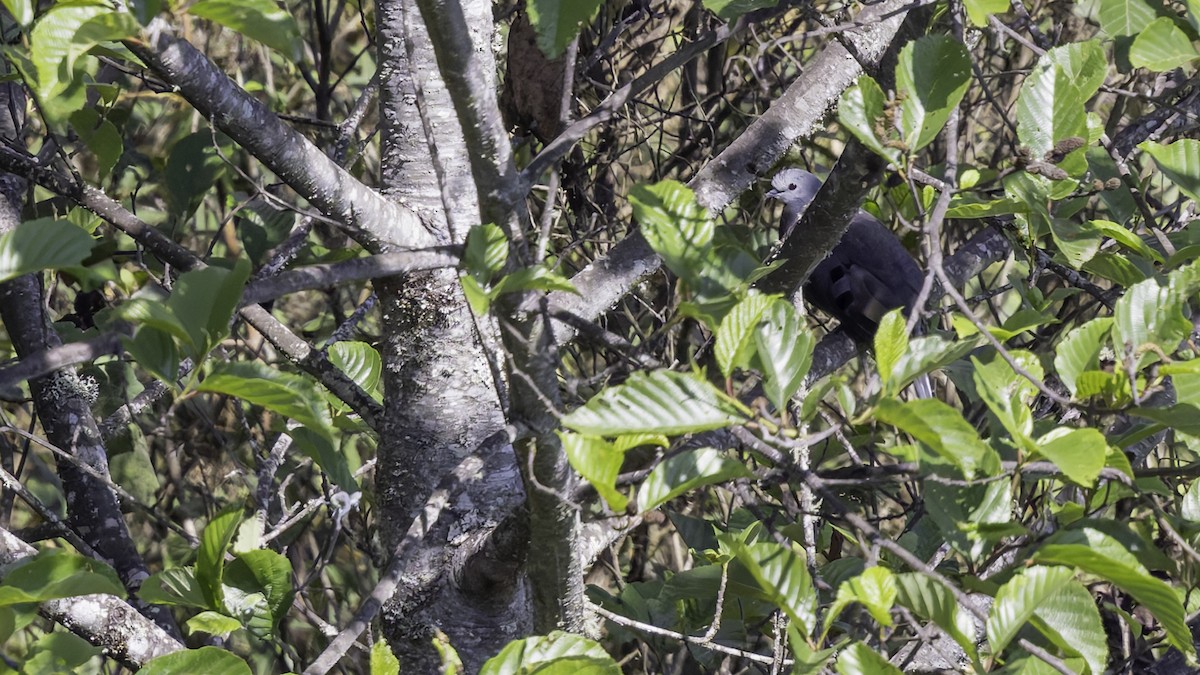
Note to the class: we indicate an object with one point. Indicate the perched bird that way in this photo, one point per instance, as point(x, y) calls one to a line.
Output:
point(867, 274)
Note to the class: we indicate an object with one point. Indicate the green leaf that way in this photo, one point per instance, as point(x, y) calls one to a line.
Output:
point(1018, 600)
point(155, 351)
point(293, 396)
point(477, 297)
point(59, 652)
point(42, 244)
point(267, 574)
point(874, 589)
point(66, 33)
point(1072, 622)
point(1078, 242)
point(486, 252)
point(557, 22)
point(926, 354)
point(1116, 268)
point(943, 430)
point(260, 20)
point(785, 349)
point(932, 75)
point(891, 342)
point(1127, 239)
point(101, 138)
point(361, 363)
point(1150, 314)
point(686, 471)
point(207, 660)
point(934, 602)
point(210, 558)
point(1103, 557)
point(859, 659)
point(52, 574)
point(22, 11)
point(1162, 46)
point(978, 11)
point(1125, 17)
point(1180, 161)
point(968, 206)
point(383, 661)
point(599, 462)
point(1078, 453)
point(1051, 103)
point(146, 313)
point(558, 653)
point(213, 623)
point(193, 167)
point(781, 573)
point(204, 301)
point(661, 402)
point(861, 111)
point(735, 336)
point(536, 278)
point(1006, 392)
point(674, 225)
point(1080, 350)
point(1189, 508)
point(176, 586)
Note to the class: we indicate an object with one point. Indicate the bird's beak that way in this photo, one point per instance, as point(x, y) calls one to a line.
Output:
point(773, 194)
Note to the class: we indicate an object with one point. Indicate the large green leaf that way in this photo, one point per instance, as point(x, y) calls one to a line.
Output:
point(874, 589)
point(861, 111)
point(891, 342)
point(193, 167)
point(210, 558)
point(934, 602)
point(662, 402)
point(943, 429)
point(1051, 104)
point(207, 660)
point(1100, 555)
point(926, 354)
point(735, 335)
point(383, 661)
point(1006, 393)
point(361, 363)
point(1162, 46)
point(176, 586)
point(1179, 161)
point(557, 22)
point(260, 20)
point(932, 75)
point(1077, 241)
point(686, 471)
point(42, 244)
point(781, 573)
point(558, 653)
point(1018, 600)
point(293, 396)
point(53, 574)
point(674, 225)
point(269, 574)
point(860, 659)
point(1072, 622)
point(1125, 17)
point(67, 32)
point(486, 252)
point(785, 349)
point(1080, 350)
point(204, 300)
point(1150, 314)
point(978, 11)
point(1078, 453)
point(599, 462)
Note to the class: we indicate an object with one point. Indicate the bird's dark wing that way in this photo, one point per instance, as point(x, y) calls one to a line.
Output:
point(867, 274)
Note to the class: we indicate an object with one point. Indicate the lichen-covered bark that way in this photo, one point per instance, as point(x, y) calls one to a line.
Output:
point(441, 390)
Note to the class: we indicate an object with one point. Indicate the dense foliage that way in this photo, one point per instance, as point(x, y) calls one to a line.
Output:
point(449, 334)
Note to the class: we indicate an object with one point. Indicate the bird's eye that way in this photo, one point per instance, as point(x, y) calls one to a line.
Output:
point(791, 186)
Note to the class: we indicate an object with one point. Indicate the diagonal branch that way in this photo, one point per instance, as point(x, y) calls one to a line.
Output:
point(377, 223)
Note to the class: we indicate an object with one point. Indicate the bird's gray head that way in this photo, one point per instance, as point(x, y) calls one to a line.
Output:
point(796, 189)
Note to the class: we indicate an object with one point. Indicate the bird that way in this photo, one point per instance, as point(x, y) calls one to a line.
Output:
point(867, 274)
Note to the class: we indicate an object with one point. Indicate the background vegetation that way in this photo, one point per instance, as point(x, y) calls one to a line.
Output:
point(456, 336)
